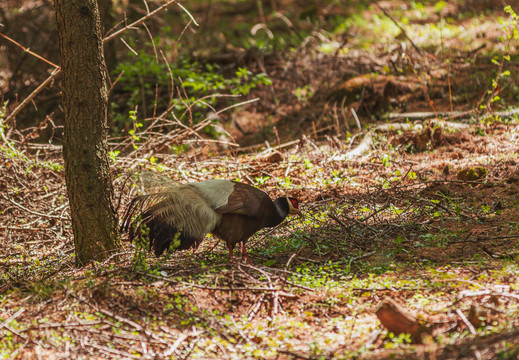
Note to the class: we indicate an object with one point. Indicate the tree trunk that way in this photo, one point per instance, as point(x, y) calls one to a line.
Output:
point(87, 173)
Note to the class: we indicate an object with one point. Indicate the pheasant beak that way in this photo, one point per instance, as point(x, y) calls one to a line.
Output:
point(294, 211)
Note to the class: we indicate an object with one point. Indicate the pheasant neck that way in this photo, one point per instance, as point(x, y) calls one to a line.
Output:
point(280, 213)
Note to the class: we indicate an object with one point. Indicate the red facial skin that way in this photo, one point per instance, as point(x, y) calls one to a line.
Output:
point(295, 204)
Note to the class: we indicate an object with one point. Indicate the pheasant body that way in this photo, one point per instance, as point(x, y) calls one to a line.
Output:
point(180, 216)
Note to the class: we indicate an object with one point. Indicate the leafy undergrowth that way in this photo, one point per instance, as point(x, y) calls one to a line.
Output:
point(389, 223)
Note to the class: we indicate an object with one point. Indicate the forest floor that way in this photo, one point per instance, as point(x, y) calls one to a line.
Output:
point(409, 225)
point(387, 223)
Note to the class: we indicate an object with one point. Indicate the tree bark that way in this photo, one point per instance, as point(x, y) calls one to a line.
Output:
point(87, 173)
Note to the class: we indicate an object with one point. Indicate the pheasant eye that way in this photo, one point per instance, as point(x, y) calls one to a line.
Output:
point(295, 204)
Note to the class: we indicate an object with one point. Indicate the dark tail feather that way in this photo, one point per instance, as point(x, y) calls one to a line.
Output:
point(127, 216)
point(161, 236)
point(159, 232)
point(133, 208)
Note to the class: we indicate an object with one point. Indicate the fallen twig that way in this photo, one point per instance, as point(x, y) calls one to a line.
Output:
point(465, 294)
point(430, 114)
point(31, 211)
point(29, 51)
point(175, 345)
point(139, 21)
point(465, 321)
point(12, 317)
point(364, 146)
point(35, 92)
point(400, 27)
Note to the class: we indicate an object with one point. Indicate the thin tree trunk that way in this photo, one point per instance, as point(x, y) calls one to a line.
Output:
point(87, 173)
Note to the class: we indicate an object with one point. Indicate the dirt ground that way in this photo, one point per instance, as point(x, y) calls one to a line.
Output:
point(407, 227)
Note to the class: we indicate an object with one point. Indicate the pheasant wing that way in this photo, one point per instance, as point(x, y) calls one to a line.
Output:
point(244, 200)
